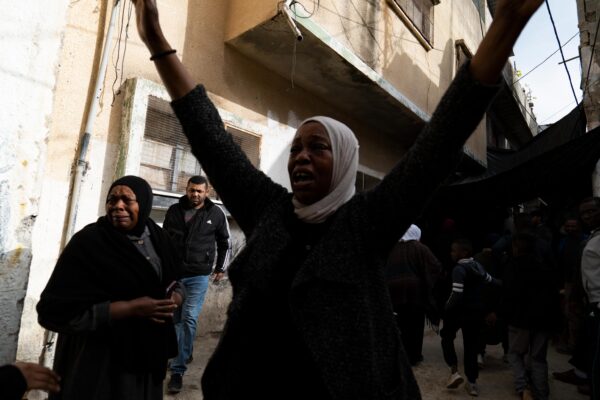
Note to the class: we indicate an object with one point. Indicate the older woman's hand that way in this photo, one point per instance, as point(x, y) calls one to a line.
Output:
point(38, 377)
point(143, 307)
point(156, 310)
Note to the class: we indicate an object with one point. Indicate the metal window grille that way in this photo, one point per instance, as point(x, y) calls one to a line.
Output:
point(420, 13)
point(167, 161)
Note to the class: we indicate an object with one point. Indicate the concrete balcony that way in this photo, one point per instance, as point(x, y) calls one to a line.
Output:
point(322, 66)
point(511, 113)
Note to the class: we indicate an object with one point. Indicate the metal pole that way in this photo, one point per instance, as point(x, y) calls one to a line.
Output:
point(81, 167)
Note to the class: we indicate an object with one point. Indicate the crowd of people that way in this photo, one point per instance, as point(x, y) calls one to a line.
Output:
point(311, 315)
point(529, 287)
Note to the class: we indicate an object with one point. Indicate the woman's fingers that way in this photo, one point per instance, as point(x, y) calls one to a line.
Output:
point(39, 377)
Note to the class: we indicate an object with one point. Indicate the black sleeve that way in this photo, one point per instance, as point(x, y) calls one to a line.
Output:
point(93, 319)
point(223, 242)
point(399, 199)
point(246, 191)
point(12, 383)
point(170, 219)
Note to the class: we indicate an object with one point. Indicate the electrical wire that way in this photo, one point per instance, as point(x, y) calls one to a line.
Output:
point(556, 112)
point(316, 5)
point(546, 59)
point(365, 24)
point(561, 52)
point(119, 72)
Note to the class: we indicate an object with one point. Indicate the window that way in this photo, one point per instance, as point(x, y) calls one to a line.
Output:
point(420, 14)
point(153, 145)
point(167, 161)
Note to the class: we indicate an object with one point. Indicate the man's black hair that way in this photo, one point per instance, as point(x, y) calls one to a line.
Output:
point(464, 244)
point(198, 180)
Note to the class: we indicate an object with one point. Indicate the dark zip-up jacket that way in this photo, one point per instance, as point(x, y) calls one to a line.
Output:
point(196, 239)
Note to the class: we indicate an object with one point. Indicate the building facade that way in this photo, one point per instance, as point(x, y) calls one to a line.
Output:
point(381, 66)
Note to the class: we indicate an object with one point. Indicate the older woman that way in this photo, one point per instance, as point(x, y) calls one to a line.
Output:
point(310, 316)
point(107, 299)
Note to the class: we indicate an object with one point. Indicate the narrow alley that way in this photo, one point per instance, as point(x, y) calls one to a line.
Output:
point(495, 378)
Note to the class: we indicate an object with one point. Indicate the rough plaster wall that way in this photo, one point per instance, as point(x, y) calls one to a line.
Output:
point(588, 13)
point(30, 45)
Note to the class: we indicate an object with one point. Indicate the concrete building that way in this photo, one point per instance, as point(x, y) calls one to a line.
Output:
point(588, 12)
point(381, 66)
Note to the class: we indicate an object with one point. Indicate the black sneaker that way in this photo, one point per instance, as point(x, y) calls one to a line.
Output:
point(175, 383)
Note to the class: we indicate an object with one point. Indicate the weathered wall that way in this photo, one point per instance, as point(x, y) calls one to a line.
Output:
point(588, 12)
point(375, 33)
point(30, 45)
point(240, 88)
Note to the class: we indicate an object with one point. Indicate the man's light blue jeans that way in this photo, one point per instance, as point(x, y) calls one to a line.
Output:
point(195, 290)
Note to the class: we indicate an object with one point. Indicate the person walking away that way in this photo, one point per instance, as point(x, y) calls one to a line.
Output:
point(532, 308)
point(464, 311)
point(411, 271)
point(568, 254)
point(199, 229)
point(495, 329)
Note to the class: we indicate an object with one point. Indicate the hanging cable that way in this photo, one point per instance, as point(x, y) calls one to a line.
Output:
point(120, 57)
point(316, 6)
point(561, 52)
point(546, 59)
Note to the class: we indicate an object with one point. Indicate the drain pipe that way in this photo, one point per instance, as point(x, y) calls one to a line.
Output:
point(287, 14)
point(82, 165)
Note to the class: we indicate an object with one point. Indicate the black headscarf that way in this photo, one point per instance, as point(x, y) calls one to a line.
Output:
point(143, 194)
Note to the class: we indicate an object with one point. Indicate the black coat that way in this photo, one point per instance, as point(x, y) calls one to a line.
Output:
point(195, 241)
point(12, 383)
point(338, 298)
point(531, 297)
point(100, 265)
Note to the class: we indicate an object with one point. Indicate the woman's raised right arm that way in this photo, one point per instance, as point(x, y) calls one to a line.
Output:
point(246, 191)
point(174, 75)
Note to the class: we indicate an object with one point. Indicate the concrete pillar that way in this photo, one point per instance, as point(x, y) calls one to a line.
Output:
point(28, 69)
point(588, 12)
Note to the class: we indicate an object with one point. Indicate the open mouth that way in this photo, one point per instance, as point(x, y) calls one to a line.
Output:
point(302, 177)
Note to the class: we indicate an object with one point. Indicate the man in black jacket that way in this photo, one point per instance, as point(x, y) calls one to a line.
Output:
point(195, 224)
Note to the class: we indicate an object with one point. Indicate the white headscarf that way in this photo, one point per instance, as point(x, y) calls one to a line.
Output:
point(412, 233)
point(344, 147)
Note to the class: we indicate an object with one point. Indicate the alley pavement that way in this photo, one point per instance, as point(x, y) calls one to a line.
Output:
point(495, 379)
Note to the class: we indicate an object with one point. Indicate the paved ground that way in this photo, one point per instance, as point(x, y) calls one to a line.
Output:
point(495, 379)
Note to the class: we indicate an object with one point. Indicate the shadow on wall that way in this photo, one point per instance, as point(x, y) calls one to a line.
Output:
point(14, 276)
point(421, 82)
point(113, 142)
